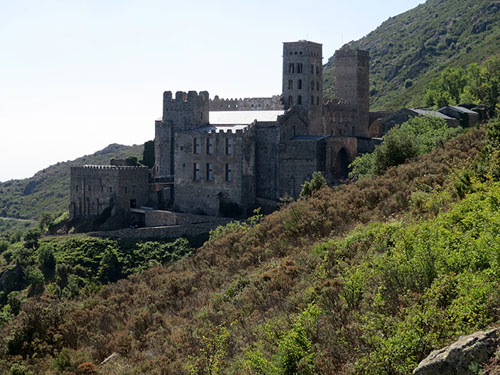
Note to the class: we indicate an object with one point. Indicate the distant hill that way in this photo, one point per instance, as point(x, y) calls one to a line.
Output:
point(410, 49)
point(48, 189)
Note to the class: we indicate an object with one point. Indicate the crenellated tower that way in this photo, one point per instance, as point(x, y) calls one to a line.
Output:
point(303, 80)
point(184, 112)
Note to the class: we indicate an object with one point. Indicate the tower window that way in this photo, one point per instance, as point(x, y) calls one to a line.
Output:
point(299, 84)
point(290, 100)
point(210, 172)
point(312, 85)
point(76, 187)
point(196, 171)
point(229, 146)
point(317, 70)
point(291, 68)
point(196, 145)
point(229, 172)
point(299, 99)
point(317, 85)
point(312, 69)
point(290, 84)
point(209, 146)
point(299, 68)
point(312, 99)
point(317, 100)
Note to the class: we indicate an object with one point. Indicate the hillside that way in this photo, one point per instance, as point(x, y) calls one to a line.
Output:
point(364, 278)
point(410, 49)
point(47, 190)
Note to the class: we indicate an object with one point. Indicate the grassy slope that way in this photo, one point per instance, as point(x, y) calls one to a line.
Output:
point(415, 46)
point(251, 281)
point(47, 190)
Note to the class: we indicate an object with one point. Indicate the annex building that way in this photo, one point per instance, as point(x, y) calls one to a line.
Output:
point(225, 157)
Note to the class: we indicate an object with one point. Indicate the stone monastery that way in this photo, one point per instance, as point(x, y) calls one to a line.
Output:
point(225, 157)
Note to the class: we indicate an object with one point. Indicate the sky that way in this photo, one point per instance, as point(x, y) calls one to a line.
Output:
point(77, 75)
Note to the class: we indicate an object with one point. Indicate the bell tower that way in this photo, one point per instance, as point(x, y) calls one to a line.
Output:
point(303, 80)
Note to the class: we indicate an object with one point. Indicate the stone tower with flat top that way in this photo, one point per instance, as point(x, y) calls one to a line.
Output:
point(303, 80)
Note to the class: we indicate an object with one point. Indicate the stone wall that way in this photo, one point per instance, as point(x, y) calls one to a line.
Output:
point(160, 233)
point(246, 104)
point(205, 196)
point(340, 119)
point(267, 138)
point(94, 188)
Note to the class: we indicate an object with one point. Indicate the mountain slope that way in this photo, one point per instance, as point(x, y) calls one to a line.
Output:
point(47, 190)
point(410, 49)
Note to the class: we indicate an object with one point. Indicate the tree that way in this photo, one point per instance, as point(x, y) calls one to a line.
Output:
point(148, 155)
point(110, 269)
point(309, 187)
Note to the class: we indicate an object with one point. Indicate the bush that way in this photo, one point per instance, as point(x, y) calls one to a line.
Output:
point(316, 183)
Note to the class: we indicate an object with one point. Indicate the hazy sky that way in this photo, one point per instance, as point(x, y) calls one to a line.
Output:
point(77, 75)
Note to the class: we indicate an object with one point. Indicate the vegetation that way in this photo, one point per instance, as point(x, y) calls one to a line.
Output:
point(368, 278)
point(415, 137)
point(411, 49)
point(475, 84)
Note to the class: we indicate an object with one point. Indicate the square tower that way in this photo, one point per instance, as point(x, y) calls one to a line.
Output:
point(352, 83)
point(303, 80)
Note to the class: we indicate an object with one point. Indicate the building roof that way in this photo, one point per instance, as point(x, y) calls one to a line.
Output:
point(242, 117)
point(307, 137)
point(427, 112)
point(460, 109)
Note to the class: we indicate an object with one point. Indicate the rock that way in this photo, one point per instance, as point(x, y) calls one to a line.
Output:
point(456, 358)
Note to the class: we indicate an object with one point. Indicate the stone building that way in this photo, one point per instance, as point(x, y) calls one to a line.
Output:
point(228, 156)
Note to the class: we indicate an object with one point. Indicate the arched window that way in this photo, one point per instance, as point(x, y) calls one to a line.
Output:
point(291, 67)
point(299, 68)
point(317, 70)
point(312, 99)
point(299, 99)
point(290, 100)
point(312, 85)
point(317, 100)
point(312, 69)
point(317, 85)
point(290, 84)
point(299, 84)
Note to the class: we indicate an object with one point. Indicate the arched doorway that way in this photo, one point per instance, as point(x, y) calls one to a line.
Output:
point(341, 166)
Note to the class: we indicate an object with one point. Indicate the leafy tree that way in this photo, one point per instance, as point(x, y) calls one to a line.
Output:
point(148, 155)
point(110, 268)
point(309, 187)
point(31, 238)
point(46, 260)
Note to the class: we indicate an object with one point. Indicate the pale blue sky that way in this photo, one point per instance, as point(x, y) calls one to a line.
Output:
point(77, 75)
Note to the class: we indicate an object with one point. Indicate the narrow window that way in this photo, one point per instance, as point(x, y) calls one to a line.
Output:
point(210, 172)
point(133, 188)
point(76, 187)
point(312, 99)
point(89, 189)
point(317, 100)
point(290, 100)
point(290, 84)
point(299, 68)
point(229, 146)
point(209, 146)
point(290, 68)
point(229, 172)
point(126, 190)
point(312, 69)
point(102, 188)
point(110, 189)
point(317, 85)
point(196, 171)
point(299, 84)
point(196, 145)
point(317, 70)
point(299, 99)
point(312, 85)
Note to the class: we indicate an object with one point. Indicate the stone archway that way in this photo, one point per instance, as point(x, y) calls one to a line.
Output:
point(341, 165)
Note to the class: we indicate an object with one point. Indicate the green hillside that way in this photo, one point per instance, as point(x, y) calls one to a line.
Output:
point(410, 49)
point(47, 191)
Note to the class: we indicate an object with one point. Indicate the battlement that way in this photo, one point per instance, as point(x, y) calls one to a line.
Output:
point(246, 104)
point(109, 167)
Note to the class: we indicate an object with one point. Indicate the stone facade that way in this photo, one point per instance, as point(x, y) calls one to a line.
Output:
point(228, 168)
point(94, 188)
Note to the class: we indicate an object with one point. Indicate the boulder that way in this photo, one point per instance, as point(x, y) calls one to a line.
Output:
point(457, 358)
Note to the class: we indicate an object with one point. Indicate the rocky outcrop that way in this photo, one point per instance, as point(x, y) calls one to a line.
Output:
point(457, 358)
